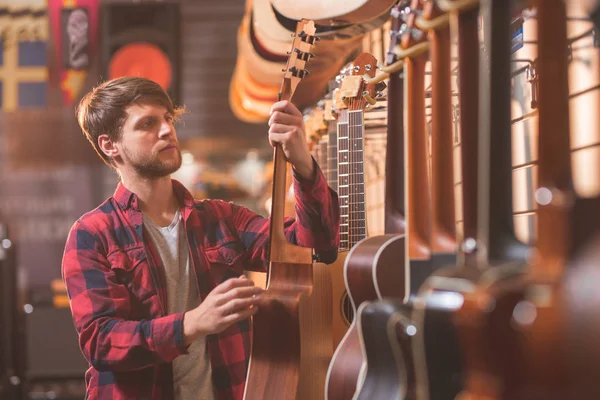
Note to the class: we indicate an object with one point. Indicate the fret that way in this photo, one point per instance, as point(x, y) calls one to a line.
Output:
point(356, 215)
point(332, 156)
point(358, 224)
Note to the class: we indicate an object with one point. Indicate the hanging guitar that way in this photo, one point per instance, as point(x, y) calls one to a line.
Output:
point(525, 332)
point(382, 329)
point(291, 342)
point(368, 275)
point(350, 183)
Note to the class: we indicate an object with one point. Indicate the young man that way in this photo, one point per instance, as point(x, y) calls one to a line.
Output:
point(155, 278)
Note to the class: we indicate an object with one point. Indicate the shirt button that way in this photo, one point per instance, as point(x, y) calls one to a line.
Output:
point(228, 260)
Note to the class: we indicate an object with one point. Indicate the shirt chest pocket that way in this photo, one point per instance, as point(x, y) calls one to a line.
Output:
point(226, 260)
point(132, 270)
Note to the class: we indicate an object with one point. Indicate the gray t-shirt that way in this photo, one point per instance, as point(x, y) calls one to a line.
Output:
point(192, 374)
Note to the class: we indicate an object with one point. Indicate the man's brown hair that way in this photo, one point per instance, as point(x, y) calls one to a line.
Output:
point(102, 110)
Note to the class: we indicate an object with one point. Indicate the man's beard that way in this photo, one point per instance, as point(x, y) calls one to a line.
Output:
point(151, 166)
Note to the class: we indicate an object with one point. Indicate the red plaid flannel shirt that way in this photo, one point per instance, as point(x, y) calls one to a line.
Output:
point(118, 292)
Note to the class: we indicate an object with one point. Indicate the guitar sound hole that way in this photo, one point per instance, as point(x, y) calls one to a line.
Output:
point(346, 309)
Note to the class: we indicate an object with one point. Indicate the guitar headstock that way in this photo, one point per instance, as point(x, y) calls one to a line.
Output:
point(336, 95)
point(295, 70)
point(397, 18)
point(315, 123)
point(410, 34)
point(355, 92)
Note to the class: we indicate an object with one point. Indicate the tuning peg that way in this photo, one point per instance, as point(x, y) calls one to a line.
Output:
point(300, 73)
point(303, 73)
point(380, 86)
point(304, 56)
point(368, 98)
point(308, 38)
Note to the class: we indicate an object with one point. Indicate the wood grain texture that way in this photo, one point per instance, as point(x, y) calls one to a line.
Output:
point(291, 341)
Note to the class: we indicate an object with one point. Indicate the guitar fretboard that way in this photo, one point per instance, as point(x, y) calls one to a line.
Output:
point(351, 184)
point(332, 156)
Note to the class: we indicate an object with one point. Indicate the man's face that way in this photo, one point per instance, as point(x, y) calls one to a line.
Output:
point(149, 143)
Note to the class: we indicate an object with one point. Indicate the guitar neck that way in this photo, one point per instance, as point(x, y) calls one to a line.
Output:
point(343, 179)
point(358, 218)
point(351, 186)
point(468, 97)
point(394, 158)
point(554, 162)
point(443, 231)
point(495, 220)
point(332, 156)
point(322, 147)
point(416, 171)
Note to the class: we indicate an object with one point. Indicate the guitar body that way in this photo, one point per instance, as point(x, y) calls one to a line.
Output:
point(342, 313)
point(386, 334)
point(291, 347)
point(371, 272)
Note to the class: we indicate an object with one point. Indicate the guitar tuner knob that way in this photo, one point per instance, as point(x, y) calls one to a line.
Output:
point(304, 56)
point(300, 73)
point(311, 39)
point(394, 33)
point(395, 12)
point(368, 98)
point(417, 34)
point(380, 86)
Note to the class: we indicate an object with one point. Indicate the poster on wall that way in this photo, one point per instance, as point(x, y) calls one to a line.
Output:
point(74, 27)
point(23, 43)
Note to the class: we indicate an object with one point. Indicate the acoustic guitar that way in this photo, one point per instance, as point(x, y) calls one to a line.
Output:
point(347, 165)
point(437, 346)
point(383, 330)
point(291, 343)
point(526, 343)
point(375, 268)
point(357, 95)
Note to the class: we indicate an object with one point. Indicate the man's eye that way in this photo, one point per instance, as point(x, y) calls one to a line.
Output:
point(147, 123)
point(169, 118)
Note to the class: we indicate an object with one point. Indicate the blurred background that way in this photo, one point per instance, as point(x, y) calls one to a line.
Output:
point(222, 60)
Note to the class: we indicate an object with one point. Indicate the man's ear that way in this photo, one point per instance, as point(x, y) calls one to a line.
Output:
point(107, 146)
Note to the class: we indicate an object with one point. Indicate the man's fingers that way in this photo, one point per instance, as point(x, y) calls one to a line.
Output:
point(278, 138)
point(280, 128)
point(241, 315)
point(239, 305)
point(280, 117)
point(238, 293)
point(229, 284)
point(286, 107)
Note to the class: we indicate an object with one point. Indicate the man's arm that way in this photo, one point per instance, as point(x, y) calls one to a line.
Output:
point(316, 225)
point(100, 306)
